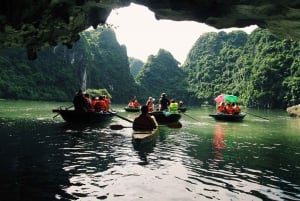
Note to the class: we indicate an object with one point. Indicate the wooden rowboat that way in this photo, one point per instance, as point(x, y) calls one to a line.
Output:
point(229, 117)
point(141, 135)
point(72, 116)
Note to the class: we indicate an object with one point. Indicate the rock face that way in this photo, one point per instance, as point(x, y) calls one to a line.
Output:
point(45, 23)
point(294, 111)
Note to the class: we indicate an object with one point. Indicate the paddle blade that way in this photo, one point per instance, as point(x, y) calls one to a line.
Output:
point(117, 127)
point(175, 125)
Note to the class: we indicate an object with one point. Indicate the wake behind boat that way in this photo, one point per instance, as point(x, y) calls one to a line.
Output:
point(72, 116)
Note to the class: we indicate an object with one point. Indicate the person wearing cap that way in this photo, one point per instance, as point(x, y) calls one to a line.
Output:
point(144, 121)
point(163, 102)
point(150, 104)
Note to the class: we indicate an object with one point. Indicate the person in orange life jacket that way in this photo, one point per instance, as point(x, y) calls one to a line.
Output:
point(136, 104)
point(107, 102)
point(229, 109)
point(144, 121)
point(100, 105)
point(221, 108)
point(150, 104)
point(130, 104)
point(133, 102)
point(94, 100)
point(236, 109)
point(163, 102)
point(87, 103)
point(95, 104)
point(173, 107)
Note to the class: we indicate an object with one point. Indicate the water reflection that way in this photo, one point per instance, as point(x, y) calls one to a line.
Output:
point(144, 148)
point(218, 141)
point(42, 159)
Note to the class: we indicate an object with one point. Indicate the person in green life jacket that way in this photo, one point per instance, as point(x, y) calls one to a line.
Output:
point(173, 107)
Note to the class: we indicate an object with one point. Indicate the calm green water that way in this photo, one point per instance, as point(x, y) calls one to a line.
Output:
point(44, 159)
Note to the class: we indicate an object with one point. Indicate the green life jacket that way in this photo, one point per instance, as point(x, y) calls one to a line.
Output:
point(173, 107)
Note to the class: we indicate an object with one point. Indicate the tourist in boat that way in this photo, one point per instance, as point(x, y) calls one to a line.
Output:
point(107, 102)
point(79, 101)
point(87, 103)
point(134, 103)
point(228, 108)
point(173, 107)
point(99, 104)
point(236, 109)
point(94, 101)
point(222, 108)
point(163, 102)
point(150, 104)
point(144, 121)
point(130, 104)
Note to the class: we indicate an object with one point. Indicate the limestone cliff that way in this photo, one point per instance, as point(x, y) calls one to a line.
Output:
point(45, 23)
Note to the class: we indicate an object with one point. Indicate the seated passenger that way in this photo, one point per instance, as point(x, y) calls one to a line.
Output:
point(136, 104)
point(100, 105)
point(144, 121)
point(150, 104)
point(221, 108)
point(229, 109)
point(236, 109)
point(173, 107)
point(107, 102)
point(88, 103)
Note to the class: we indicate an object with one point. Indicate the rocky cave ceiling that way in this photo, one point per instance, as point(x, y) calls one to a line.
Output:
point(36, 24)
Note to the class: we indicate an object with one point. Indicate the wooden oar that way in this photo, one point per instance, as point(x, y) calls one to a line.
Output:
point(69, 107)
point(121, 117)
point(171, 125)
point(190, 117)
point(257, 116)
point(60, 108)
point(56, 115)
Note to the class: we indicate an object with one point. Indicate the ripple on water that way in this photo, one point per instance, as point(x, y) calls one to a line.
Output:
point(201, 161)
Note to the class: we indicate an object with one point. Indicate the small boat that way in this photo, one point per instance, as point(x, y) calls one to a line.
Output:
point(165, 117)
point(229, 117)
point(72, 116)
point(131, 109)
point(141, 135)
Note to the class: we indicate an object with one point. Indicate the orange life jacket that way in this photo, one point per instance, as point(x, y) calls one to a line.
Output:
point(144, 122)
point(229, 109)
point(150, 106)
point(221, 109)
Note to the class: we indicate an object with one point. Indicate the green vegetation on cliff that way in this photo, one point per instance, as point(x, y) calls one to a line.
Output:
point(161, 73)
point(262, 70)
point(57, 73)
point(259, 68)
